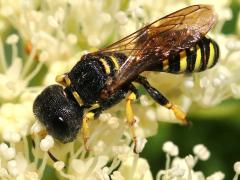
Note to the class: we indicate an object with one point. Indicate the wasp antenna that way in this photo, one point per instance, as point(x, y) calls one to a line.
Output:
point(52, 157)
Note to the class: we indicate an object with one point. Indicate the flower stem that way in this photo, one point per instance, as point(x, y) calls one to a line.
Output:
point(159, 174)
point(67, 176)
point(34, 72)
point(29, 62)
point(36, 141)
point(26, 149)
point(189, 173)
point(43, 165)
point(114, 165)
point(14, 51)
point(3, 63)
point(235, 177)
point(78, 152)
point(134, 166)
point(168, 161)
point(91, 168)
point(167, 166)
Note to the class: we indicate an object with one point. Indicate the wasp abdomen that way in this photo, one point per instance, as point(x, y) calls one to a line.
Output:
point(203, 55)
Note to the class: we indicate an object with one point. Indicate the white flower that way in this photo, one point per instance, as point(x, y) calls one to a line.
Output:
point(121, 17)
point(176, 171)
point(170, 148)
point(81, 169)
point(10, 82)
point(20, 168)
point(201, 152)
point(122, 152)
point(135, 169)
point(216, 176)
point(3, 173)
point(59, 165)
point(222, 6)
point(102, 174)
point(13, 121)
point(140, 144)
point(46, 143)
point(190, 161)
point(237, 167)
point(145, 100)
point(117, 176)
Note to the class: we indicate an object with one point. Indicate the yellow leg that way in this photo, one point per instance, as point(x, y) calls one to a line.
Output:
point(160, 99)
point(94, 106)
point(130, 116)
point(78, 98)
point(85, 128)
point(178, 113)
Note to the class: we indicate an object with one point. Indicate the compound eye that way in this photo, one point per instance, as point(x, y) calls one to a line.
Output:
point(60, 114)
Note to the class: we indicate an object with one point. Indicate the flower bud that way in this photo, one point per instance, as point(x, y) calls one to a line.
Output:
point(170, 148)
point(201, 152)
point(237, 167)
point(190, 161)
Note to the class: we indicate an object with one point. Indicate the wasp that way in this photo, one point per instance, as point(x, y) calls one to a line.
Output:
point(176, 43)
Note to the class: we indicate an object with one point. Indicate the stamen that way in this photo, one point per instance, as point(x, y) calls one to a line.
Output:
point(29, 62)
point(34, 72)
point(3, 61)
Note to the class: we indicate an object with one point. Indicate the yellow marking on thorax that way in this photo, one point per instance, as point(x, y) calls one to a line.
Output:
point(183, 61)
point(198, 59)
point(63, 79)
point(105, 65)
point(78, 98)
point(115, 62)
point(211, 55)
point(68, 81)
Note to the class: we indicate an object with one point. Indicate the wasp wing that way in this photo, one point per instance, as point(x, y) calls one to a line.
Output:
point(170, 34)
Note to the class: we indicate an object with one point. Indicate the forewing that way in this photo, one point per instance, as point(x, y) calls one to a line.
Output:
point(175, 31)
point(172, 33)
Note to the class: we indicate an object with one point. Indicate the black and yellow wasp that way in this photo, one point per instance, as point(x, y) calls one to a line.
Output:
point(174, 44)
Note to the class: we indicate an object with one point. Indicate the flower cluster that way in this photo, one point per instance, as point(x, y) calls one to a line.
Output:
point(41, 39)
point(183, 168)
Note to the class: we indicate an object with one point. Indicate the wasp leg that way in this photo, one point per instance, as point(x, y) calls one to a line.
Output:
point(94, 107)
point(159, 98)
point(85, 128)
point(130, 116)
point(78, 98)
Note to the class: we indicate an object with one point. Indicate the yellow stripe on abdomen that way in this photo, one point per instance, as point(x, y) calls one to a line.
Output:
point(165, 65)
point(183, 61)
point(211, 55)
point(105, 65)
point(198, 59)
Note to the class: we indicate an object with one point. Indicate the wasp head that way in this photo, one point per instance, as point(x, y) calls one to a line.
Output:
point(58, 111)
